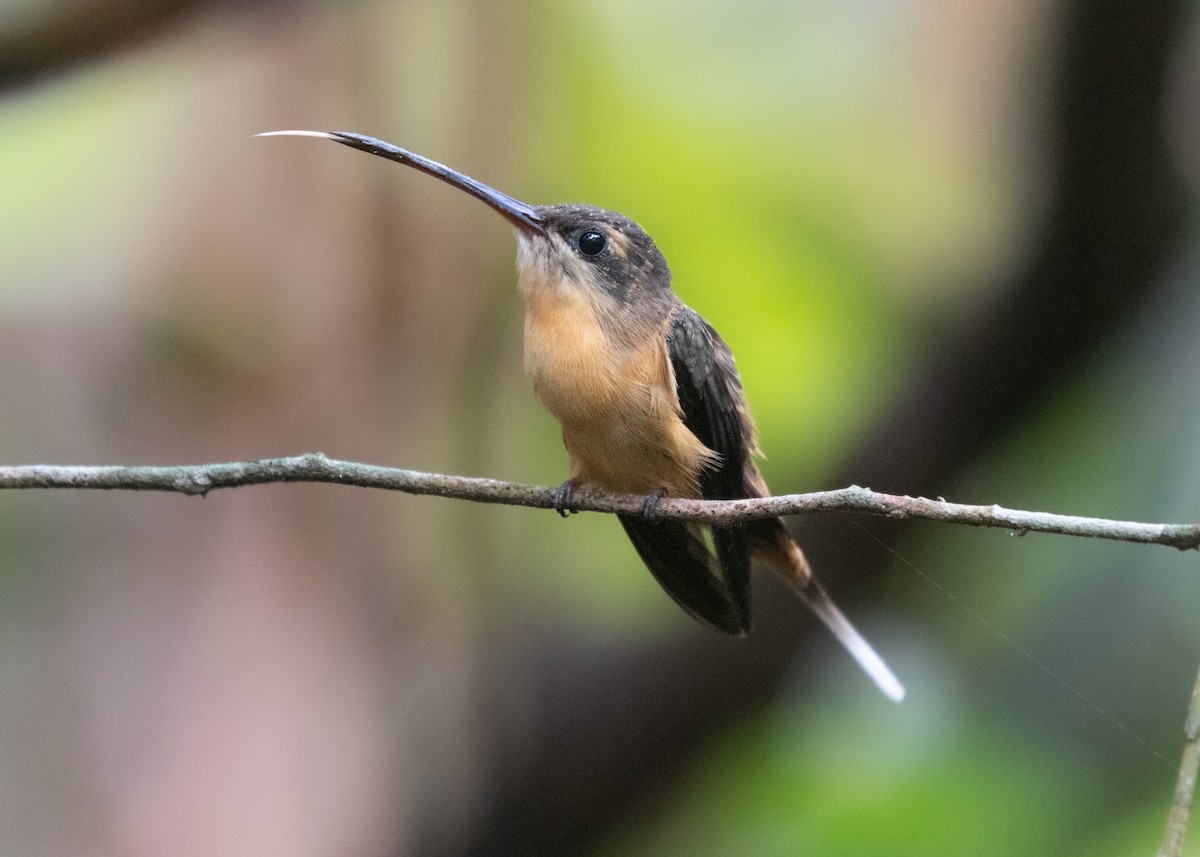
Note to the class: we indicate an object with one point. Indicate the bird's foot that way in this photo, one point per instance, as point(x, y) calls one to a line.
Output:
point(650, 506)
point(562, 496)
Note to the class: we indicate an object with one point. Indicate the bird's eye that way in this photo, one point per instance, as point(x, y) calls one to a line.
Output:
point(592, 243)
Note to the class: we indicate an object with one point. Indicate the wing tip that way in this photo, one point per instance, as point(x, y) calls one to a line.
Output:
point(687, 572)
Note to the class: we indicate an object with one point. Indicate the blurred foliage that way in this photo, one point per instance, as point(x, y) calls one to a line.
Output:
point(78, 189)
point(833, 186)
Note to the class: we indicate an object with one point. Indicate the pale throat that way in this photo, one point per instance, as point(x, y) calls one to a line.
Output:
point(614, 400)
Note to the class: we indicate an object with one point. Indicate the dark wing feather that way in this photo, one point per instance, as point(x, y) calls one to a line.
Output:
point(680, 562)
point(714, 410)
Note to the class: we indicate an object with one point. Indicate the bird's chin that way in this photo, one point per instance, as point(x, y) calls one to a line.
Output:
point(536, 258)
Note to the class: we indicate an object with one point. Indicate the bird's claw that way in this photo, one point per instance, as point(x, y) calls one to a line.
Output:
point(562, 496)
point(650, 506)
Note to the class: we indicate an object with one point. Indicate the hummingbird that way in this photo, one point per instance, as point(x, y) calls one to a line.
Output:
point(648, 399)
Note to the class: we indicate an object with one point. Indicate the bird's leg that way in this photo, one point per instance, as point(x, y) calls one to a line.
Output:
point(650, 505)
point(562, 498)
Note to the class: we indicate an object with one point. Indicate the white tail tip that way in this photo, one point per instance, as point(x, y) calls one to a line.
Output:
point(852, 641)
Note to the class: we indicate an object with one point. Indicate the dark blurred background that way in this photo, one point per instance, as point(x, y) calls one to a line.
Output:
point(953, 246)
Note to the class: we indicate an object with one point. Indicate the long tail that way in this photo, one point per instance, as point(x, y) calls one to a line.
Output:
point(818, 600)
point(786, 558)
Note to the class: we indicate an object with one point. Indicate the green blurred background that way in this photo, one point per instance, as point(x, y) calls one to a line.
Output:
point(952, 246)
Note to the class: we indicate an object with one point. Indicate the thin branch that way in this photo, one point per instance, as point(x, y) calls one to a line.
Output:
point(315, 467)
point(1185, 787)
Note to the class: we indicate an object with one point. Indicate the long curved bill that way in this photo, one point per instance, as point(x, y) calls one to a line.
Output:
point(523, 216)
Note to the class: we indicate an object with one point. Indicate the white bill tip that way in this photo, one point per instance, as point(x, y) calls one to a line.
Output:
point(324, 134)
